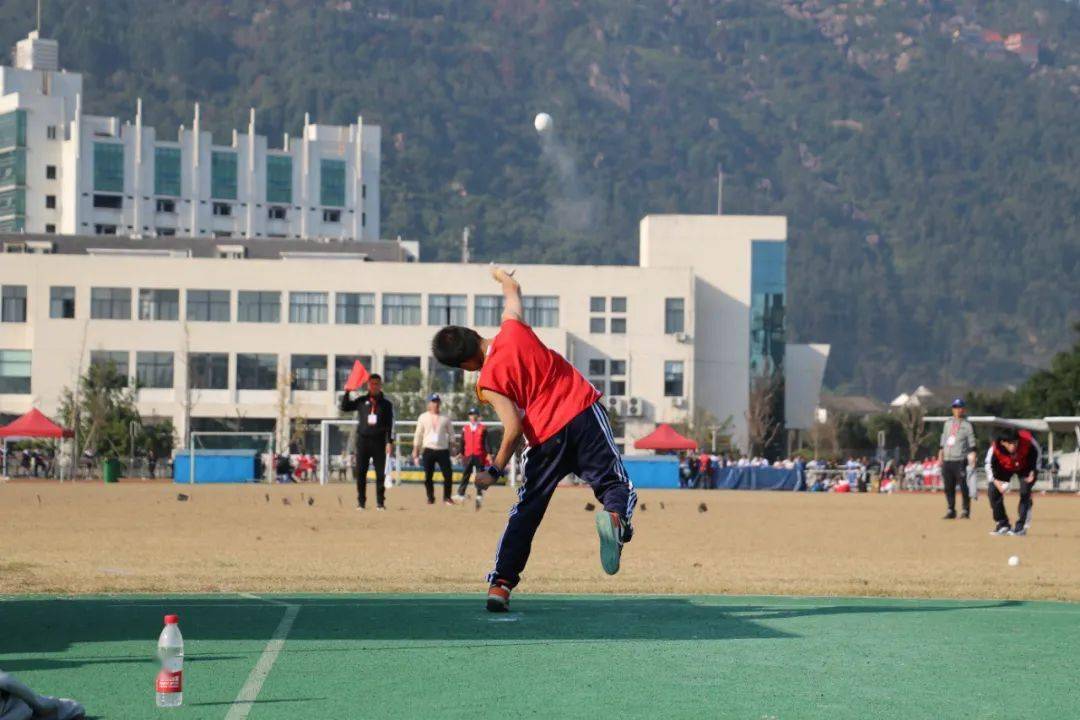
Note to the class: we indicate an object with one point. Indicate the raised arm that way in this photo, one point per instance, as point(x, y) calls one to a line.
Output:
point(512, 307)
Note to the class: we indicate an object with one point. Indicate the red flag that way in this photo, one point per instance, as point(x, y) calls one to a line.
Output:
point(357, 376)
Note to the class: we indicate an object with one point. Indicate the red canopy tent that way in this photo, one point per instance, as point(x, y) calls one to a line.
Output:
point(31, 425)
point(34, 425)
point(664, 437)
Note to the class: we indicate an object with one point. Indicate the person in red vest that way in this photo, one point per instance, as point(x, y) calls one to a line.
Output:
point(704, 475)
point(474, 455)
point(537, 393)
point(1017, 453)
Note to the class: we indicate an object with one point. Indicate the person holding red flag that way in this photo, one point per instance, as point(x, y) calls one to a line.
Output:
point(374, 436)
point(1012, 453)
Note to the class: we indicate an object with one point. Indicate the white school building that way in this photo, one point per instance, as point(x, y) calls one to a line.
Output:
point(64, 171)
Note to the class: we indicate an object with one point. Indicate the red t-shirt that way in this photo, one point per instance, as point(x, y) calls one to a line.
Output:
point(548, 391)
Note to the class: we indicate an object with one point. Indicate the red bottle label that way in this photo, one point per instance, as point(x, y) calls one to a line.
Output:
point(169, 682)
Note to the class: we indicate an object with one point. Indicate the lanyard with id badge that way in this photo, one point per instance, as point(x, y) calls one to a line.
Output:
point(373, 417)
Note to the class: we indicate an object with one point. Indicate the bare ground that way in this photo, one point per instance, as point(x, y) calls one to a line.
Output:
point(138, 537)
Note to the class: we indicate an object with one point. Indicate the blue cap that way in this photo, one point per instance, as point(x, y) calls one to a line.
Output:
point(434, 397)
point(958, 402)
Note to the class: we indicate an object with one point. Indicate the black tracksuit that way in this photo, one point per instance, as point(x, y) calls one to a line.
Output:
point(1000, 465)
point(373, 434)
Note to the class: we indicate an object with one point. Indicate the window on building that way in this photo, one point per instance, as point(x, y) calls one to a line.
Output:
point(395, 365)
point(258, 306)
point(278, 180)
point(308, 307)
point(50, 202)
point(309, 372)
point(445, 379)
point(616, 388)
point(488, 310)
point(674, 316)
point(102, 229)
point(401, 309)
point(223, 175)
point(13, 129)
point(768, 290)
point(331, 216)
point(50, 228)
point(256, 371)
point(597, 325)
point(618, 304)
point(447, 310)
point(110, 303)
point(617, 367)
point(14, 372)
point(597, 304)
point(332, 183)
point(363, 219)
point(208, 371)
point(50, 172)
point(108, 167)
point(617, 378)
point(222, 209)
point(62, 302)
point(355, 309)
point(167, 171)
point(276, 212)
point(598, 373)
point(50, 132)
point(208, 305)
point(541, 310)
point(165, 231)
point(12, 173)
point(343, 365)
point(673, 378)
point(154, 369)
point(113, 361)
point(618, 326)
point(159, 304)
point(108, 202)
point(13, 304)
point(166, 206)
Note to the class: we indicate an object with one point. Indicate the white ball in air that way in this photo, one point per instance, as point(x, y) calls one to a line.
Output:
point(1014, 561)
point(543, 123)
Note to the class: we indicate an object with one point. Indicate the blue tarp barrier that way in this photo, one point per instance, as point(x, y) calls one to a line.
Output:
point(653, 472)
point(754, 478)
point(215, 466)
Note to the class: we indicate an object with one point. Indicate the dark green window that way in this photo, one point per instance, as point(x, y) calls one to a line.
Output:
point(278, 179)
point(13, 129)
point(12, 202)
point(332, 183)
point(12, 168)
point(167, 171)
point(223, 175)
point(108, 167)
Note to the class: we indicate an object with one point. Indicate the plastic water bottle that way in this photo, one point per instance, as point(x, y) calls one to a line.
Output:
point(170, 680)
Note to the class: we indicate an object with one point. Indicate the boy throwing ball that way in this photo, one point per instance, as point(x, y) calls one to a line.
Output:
point(538, 394)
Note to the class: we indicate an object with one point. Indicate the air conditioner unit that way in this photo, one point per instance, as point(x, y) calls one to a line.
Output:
point(614, 405)
point(679, 402)
point(635, 407)
point(682, 337)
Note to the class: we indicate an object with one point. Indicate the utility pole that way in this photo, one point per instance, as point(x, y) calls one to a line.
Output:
point(719, 189)
point(39, 18)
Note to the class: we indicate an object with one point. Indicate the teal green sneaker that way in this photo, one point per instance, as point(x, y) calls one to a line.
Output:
point(609, 527)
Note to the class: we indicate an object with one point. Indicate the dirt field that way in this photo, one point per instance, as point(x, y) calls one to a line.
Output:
point(137, 537)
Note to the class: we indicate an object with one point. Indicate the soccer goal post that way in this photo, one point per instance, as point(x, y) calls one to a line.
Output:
point(262, 442)
point(403, 430)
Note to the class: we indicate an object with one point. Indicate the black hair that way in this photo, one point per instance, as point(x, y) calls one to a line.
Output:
point(1008, 434)
point(453, 345)
point(375, 376)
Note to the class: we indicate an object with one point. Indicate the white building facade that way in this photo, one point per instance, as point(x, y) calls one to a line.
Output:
point(211, 331)
point(66, 172)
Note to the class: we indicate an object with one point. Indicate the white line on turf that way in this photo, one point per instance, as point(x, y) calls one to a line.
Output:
point(241, 706)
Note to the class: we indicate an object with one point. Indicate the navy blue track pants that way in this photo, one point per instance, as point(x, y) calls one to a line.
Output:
point(586, 448)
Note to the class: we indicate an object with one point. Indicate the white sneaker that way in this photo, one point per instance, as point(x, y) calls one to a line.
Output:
point(479, 501)
point(459, 498)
